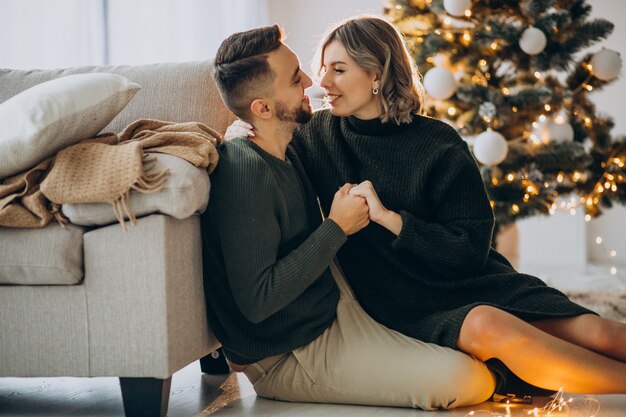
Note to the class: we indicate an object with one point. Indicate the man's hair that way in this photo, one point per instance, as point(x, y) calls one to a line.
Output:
point(241, 70)
point(377, 46)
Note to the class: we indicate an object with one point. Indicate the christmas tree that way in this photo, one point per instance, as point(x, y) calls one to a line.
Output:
point(511, 77)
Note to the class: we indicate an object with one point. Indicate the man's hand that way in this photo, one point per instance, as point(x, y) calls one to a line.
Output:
point(350, 212)
point(239, 129)
point(378, 213)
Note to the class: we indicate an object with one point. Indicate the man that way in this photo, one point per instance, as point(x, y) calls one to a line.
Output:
point(276, 301)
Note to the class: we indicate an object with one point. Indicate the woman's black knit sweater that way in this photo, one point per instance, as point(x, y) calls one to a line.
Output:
point(424, 281)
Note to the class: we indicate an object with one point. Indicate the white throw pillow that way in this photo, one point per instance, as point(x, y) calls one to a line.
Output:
point(185, 193)
point(40, 121)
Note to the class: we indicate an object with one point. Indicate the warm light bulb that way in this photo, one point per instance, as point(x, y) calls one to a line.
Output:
point(598, 240)
point(468, 13)
point(613, 270)
point(451, 111)
point(587, 217)
point(547, 107)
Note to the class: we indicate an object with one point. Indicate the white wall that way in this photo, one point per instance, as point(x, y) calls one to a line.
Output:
point(305, 21)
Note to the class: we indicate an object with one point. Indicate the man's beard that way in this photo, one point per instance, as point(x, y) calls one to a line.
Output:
point(297, 115)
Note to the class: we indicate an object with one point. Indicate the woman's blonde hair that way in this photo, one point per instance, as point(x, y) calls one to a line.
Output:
point(378, 47)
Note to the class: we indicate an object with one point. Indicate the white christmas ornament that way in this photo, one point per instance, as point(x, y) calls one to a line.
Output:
point(490, 148)
point(457, 8)
point(439, 83)
point(606, 64)
point(552, 131)
point(533, 41)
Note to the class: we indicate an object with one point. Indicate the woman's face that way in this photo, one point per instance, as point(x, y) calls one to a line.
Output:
point(348, 86)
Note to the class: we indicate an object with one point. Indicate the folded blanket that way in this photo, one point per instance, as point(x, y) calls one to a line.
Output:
point(104, 169)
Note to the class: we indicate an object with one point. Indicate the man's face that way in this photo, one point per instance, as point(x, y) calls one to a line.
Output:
point(292, 105)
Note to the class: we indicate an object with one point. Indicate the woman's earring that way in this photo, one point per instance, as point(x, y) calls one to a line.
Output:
point(375, 90)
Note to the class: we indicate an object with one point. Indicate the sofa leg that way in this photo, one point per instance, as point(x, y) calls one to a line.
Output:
point(145, 397)
point(214, 363)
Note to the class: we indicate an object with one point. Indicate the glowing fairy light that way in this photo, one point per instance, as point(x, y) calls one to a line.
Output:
point(558, 406)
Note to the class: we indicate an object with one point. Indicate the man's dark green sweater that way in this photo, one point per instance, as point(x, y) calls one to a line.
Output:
point(266, 255)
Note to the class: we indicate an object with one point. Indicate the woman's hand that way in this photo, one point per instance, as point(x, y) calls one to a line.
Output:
point(378, 213)
point(239, 129)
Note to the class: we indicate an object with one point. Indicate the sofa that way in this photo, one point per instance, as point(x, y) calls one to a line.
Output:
point(96, 300)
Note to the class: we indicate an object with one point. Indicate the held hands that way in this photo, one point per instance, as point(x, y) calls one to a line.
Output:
point(350, 212)
point(239, 129)
point(378, 213)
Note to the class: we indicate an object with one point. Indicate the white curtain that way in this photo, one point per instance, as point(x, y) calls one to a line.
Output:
point(64, 33)
point(51, 33)
point(177, 30)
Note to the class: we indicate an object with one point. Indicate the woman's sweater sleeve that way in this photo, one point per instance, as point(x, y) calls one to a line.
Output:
point(263, 279)
point(457, 239)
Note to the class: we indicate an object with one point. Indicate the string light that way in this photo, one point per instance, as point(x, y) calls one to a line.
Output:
point(558, 406)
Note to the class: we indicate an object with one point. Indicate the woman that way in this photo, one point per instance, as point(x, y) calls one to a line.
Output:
point(424, 265)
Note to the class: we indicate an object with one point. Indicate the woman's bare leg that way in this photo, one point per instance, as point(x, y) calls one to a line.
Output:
point(601, 335)
point(538, 357)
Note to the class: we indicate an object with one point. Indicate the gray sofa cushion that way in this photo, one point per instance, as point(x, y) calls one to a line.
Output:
point(185, 193)
point(52, 255)
point(176, 92)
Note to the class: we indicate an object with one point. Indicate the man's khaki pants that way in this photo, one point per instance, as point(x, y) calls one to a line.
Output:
point(359, 361)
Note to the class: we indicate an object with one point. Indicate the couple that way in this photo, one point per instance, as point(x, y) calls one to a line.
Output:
point(395, 298)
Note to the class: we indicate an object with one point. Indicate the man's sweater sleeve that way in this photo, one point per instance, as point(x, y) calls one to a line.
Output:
point(457, 240)
point(247, 206)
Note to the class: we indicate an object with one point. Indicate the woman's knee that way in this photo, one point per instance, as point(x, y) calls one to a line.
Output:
point(483, 324)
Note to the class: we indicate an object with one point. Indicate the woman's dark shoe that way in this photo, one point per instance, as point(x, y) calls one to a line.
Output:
point(510, 386)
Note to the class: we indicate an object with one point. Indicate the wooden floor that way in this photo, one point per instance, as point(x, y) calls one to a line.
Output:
point(196, 394)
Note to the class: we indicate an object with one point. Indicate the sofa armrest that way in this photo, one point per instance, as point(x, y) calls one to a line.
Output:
point(145, 299)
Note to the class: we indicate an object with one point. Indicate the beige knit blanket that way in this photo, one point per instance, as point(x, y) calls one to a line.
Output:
point(104, 169)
